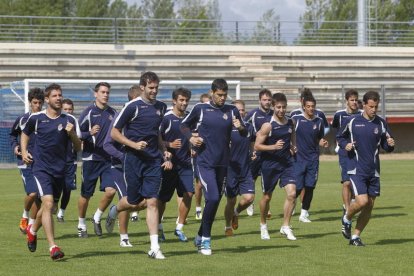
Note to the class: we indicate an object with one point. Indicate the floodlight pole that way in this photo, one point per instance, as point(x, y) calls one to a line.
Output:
point(362, 27)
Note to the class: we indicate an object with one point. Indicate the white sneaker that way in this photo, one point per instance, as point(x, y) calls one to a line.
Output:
point(250, 210)
point(287, 231)
point(125, 243)
point(304, 219)
point(156, 254)
point(264, 234)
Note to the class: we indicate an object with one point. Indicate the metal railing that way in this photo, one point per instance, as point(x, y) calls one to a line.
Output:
point(160, 31)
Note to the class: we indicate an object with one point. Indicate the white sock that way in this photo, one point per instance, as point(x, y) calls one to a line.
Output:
point(198, 209)
point(346, 220)
point(61, 213)
point(53, 246)
point(205, 238)
point(31, 221)
point(97, 216)
point(124, 237)
point(179, 226)
point(154, 242)
point(25, 214)
point(227, 227)
point(263, 226)
point(303, 212)
point(81, 223)
point(32, 232)
point(235, 212)
point(354, 237)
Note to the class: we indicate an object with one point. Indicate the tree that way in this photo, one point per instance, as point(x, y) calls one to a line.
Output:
point(267, 29)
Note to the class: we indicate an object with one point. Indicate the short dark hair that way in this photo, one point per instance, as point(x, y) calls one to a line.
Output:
point(278, 97)
point(371, 95)
point(99, 84)
point(219, 84)
point(50, 87)
point(265, 92)
point(204, 95)
point(148, 77)
point(308, 98)
point(305, 92)
point(36, 93)
point(239, 102)
point(351, 92)
point(181, 91)
point(68, 101)
point(134, 92)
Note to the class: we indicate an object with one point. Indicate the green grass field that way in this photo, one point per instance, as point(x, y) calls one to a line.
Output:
point(319, 250)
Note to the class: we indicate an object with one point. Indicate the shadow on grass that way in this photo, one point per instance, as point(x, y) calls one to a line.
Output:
point(104, 253)
point(316, 235)
point(393, 241)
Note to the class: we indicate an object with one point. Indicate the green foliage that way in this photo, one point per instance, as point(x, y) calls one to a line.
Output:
point(267, 28)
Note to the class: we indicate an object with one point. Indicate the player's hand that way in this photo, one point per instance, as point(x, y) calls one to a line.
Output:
point(17, 151)
point(350, 146)
point(254, 156)
point(196, 141)
point(236, 123)
point(167, 155)
point(176, 144)
point(391, 142)
point(293, 150)
point(70, 128)
point(279, 144)
point(27, 158)
point(95, 129)
point(167, 165)
point(141, 145)
point(323, 143)
point(193, 153)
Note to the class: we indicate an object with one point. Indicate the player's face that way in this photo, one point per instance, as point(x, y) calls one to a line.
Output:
point(102, 95)
point(279, 109)
point(219, 97)
point(36, 105)
point(181, 103)
point(55, 99)
point(265, 102)
point(68, 108)
point(205, 99)
point(241, 109)
point(309, 108)
point(352, 103)
point(150, 91)
point(370, 109)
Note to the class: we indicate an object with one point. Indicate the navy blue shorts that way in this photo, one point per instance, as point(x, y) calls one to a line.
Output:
point(213, 182)
point(142, 178)
point(306, 174)
point(49, 185)
point(343, 167)
point(28, 180)
point(256, 166)
point(271, 176)
point(119, 181)
point(180, 179)
point(195, 168)
point(362, 185)
point(239, 185)
point(91, 171)
point(70, 176)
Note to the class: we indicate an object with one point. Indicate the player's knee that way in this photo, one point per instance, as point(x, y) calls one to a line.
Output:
point(249, 198)
point(110, 192)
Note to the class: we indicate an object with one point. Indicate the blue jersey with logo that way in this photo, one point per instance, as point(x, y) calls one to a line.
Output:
point(93, 145)
point(308, 134)
point(51, 148)
point(240, 151)
point(170, 131)
point(339, 119)
point(318, 113)
point(258, 117)
point(367, 136)
point(140, 121)
point(15, 132)
point(214, 125)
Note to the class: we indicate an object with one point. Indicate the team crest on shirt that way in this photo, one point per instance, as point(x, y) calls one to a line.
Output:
point(376, 130)
point(225, 117)
point(110, 117)
point(60, 127)
point(290, 130)
point(158, 113)
point(314, 126)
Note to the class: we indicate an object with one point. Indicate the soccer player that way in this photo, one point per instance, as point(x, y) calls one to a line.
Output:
point(239, 175)
point(137, 127)
point(180, 178)
point(339, 119)
point(276, 141)
point(213, 122)
point(198, 191)
point(364, 134)
point(116, 151)
point(53, 131)
point(257, 117)
point(94, 122)
point(310, 131)
point(31, 203)
point(71, 167)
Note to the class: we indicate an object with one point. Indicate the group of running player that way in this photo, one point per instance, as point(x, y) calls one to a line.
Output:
point(146, 152)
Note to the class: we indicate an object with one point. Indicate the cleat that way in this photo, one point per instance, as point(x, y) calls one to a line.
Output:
point(199, 215)
point(181, 236)
point(356, 242)
point(304, 219)
point(97, 228)
point(134, 217)
point(60, 219)
point(205, 248)
point(235, 222)
point(125, 243)
point(31, 239)
point(346, 229)
point(161, 236)
point(264, 234)
point(287, 231)
point(156, 254)
point(56, 253)
point(228, 231)
point(23, 225)
point(82, 233)
point(197, 241)
point(110, 220)
point(250, 210)
point(269, 215)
